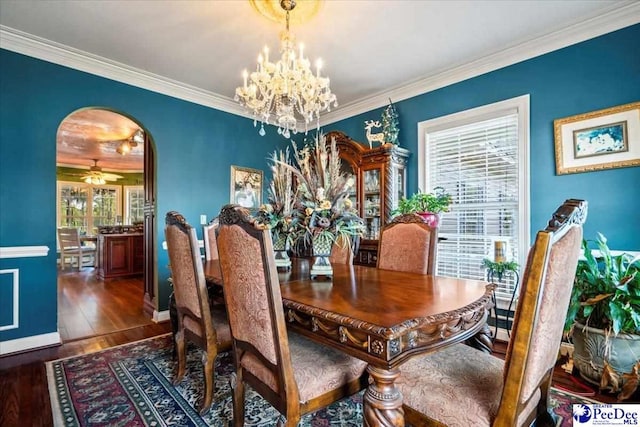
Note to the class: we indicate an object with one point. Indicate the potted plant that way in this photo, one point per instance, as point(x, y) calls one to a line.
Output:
point(604, 319)
point(427, 205)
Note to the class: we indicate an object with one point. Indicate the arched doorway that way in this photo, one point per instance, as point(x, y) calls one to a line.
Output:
point(110, 157)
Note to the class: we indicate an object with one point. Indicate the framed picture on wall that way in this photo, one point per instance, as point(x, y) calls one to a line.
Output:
point(603, 139)
point(246, 187)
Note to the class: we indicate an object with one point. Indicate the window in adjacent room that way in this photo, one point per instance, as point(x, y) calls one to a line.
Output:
point(480, 157)
point(87, 206)
point(133, 203)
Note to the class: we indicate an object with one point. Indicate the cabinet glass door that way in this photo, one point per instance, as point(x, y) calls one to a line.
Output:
point(348, 171)
point(399, 188)
point(372, 203)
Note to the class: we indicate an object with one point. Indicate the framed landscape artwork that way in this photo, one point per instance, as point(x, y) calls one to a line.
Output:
point(603, 139)
point(246, 187)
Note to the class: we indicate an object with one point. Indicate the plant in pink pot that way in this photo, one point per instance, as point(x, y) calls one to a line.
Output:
point(428, 205)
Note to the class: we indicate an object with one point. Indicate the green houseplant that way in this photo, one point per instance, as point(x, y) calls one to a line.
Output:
point(604, 319)
point(427, 205)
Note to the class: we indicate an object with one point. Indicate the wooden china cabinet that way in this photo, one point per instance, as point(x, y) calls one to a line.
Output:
point(380, 174)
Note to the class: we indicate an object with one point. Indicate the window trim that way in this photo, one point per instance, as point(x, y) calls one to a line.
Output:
point(520, 105)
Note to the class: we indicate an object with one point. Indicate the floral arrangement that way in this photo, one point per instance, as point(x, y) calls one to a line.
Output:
point(323, 210)
point(277, 214)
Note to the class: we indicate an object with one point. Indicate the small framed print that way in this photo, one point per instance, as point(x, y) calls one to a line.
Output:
point(246, 187)
point(603, 139)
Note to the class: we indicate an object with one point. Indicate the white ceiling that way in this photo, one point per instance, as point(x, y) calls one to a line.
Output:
point(372, 50)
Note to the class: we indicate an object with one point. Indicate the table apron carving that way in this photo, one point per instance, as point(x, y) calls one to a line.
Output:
point(388, 347)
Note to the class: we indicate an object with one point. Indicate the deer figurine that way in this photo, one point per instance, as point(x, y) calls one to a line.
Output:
point(371, 137)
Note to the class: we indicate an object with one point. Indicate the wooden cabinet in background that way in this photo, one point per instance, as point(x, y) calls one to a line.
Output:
point(380, 174)
point(120, 255)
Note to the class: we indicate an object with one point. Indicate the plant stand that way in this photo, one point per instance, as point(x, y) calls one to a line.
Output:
point(495, 274)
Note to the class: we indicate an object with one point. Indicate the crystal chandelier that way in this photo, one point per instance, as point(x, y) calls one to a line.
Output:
point(288, 91)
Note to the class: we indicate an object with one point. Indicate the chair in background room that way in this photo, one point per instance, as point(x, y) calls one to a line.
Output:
point(71, 247)
point(461, 386)
point(292, 373)
point(408, 244)
point(197, 322)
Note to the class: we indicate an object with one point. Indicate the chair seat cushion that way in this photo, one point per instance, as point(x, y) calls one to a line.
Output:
point(319, 369)
point(456, 386)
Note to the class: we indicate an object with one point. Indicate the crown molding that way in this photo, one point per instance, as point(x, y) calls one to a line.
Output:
point(50, 51)
point(27, 44)
point(615, 19)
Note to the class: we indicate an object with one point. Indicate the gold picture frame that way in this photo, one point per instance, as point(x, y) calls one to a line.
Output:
point(599, 140)
point(246, 187)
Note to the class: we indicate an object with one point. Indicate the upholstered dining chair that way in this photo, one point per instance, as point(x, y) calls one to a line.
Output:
point(71, 247)
point(341, 251)
point(210, 245)
point(461, 386)
point(197, 322)
point(292, 373)
point(408, 244)
point(211, 254)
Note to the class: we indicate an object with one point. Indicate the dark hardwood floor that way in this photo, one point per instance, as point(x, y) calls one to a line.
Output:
point(94, 315)
point(88, 306)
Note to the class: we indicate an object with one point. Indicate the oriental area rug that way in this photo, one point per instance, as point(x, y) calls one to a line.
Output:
point(130, 385)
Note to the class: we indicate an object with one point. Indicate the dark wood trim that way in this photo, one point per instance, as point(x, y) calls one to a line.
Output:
point(150, 303)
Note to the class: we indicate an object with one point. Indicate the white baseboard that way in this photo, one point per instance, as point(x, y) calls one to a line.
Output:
point(160, 316)
point(29, 343)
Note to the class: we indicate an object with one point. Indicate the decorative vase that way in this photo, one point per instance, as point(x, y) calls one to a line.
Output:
point(591, 347)
point(321, 253)
point(431, 219)
point(280, 248)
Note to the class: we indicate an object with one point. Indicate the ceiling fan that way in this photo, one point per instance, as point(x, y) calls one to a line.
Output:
point(97, 177)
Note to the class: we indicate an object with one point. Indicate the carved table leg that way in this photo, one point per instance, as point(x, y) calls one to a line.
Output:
point(482, 340)
point(382, 400)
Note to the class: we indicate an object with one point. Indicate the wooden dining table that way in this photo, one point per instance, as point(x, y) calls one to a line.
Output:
point(383, 317)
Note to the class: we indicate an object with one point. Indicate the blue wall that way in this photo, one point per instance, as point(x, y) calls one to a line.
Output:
point(195, 147)
point(593, 75)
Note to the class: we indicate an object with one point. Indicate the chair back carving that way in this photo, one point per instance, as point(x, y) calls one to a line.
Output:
point(541, 310)
point(254, 303)
point(195, 317)
point(210, 245)
point(408, 244)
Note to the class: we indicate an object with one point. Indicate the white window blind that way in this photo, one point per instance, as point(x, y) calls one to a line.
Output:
point(478, 164)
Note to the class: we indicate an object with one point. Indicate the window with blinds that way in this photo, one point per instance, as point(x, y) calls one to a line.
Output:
point(479, 160)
